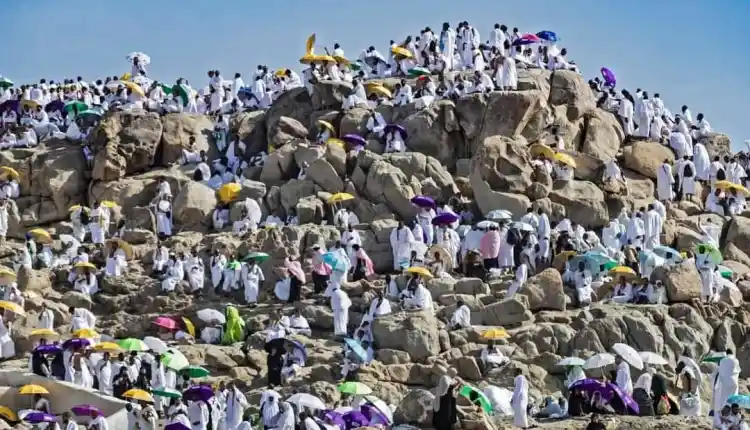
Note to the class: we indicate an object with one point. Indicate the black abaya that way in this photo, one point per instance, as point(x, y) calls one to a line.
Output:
point(446, 417)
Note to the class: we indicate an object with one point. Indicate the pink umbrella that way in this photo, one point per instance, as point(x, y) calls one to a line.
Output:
point(527, 39)
point(295, 268)
point(167, 323)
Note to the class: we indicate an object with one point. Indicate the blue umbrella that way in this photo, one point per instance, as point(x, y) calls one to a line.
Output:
point(549, 36)
point(445, 218)
point(48, 349)
point(356, 349)
point(742, 400)
point(663, 251)
point(334, 260)
point(593, 260)
point(299, 346)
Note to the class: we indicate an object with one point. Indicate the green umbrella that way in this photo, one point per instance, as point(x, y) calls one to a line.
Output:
point(714, 255)
point(234, 265)
point(354, 388)
point(194, 371)
point(713, 357)
point(725, 272)
point(5, 83)
point(259, 256)
point(477, 397)
point(183, 92)
point(173, 359)
point(418, 71)
point(166, 392)
point(167, 89)
point(132, 344)
point(75, 105)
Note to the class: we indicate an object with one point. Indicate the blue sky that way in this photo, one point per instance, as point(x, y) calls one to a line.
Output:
point(681, 49)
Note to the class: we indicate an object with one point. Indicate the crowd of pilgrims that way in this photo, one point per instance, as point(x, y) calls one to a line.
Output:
point(445, 239)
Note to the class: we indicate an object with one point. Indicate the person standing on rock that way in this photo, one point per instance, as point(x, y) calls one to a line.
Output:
point(652, 226)
point(665, 182)
point(489, 247)
point(623, 379)
point(625, 113)
point(445, 413)
point(164, 216)
point(340, 304)
point(522, 274)
point(252, 280)
point(520, 400)
point(401, 240)
point(448, 46)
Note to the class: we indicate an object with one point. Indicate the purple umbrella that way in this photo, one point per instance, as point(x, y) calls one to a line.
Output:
point(423, 201)
point(40, 417)
point(609, 77)
point(299, 346)
point(445, 218)
point(198, 392)
point(400, 129)
point(76, 343)
point(355, 419)
point(55, 105)
point(48, 348)
point(12, 104)
point(607, 390)
point(334, 417)
point(85, 410)
point(177, 426)
point(355, 140)
point(373, 415)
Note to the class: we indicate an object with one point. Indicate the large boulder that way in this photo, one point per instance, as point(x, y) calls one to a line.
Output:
point(583, 201)
point(738, 233)
point(500, 164)
point(646, 157)
point(193, 205)
point(508, 312)
point(184, 131)
point(125, 143)
point(435, 131)
point(545, 291)
point(682, 281)
point(387, 184)
point(570, 89)
point(603, 136)
point(413, 332)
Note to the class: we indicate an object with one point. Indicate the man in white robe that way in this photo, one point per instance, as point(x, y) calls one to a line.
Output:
point(401, 240)
point(46, 318)
point(235, 406)
point(350, 238)
point(623, 377)
point(198, 415)
point(664, 182)
point(447, 46)
point(461, 317)
point(686, 174)
point(252, 278)
point(702, 162)
point(652, 225)
point(340, 304)
point(727, 380)
point(520, 400)
point(522, 274)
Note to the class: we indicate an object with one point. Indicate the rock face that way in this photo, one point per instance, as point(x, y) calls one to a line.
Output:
point(477, 147)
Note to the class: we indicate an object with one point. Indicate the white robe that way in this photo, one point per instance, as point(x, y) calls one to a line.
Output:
point(235, 404)
point(522, 274)
point(7, 346)
point(252, 276)
point(652, 225)
point(727, 382)
point(401, 244)
point(519, 401)
point(623, 378)
point(217, 269)
point(664, 182)
point(340, 304)
point(164, 218)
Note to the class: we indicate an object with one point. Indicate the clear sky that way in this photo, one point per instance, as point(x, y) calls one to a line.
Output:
point(692, 52)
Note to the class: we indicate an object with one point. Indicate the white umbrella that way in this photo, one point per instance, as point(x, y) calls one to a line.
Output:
point(155, 344)
point(381, 406)
point(144, 59)
point(344, 409)
point(499, 214)
point(628, 354)
point(599, 360)
point(523, 226)
point(499, 399)
point(486, 224)
point(649, 357)
point(571, 361)
point(307, 400)
point(210, 315)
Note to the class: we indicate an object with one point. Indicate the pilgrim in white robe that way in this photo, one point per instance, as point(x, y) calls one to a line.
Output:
point(218, 263)
point(198, 415)
point(376, 124)
point(623, 379)
point(98, 226)
point(727, 381)
point(7, 345)
point(252, 276)
point(164, 218)
point(522, 274)
point(350, 238)
point(643, 114)
point(687, 184)
point(625, 113)
point(505, 256)
point(88, 284)
point(519, 401)
point(664, 182)
point(340, 304)
point(652, 225)
point(447, 47)
point(421, 299)
point(702, 162)
point(235, 408)
point(401, 240)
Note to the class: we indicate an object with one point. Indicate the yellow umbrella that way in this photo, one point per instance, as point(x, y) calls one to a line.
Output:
point(126, 76)
point(138, 394)
point(401, 51)
point(132, 86)
point(189, 326)
point(107, 347)
point(85, 333)
point(623, 271)
point(229, 192)
point(125, 246)
point(723, 185)
point(310, 45)
point(565, 159)
point(11, 172)
point(421, 271)
point(108, 204)
point(7, 274)
point(30, 103)
point(327, 125)
point(335, 142)
point(85, 265)
point(12, 306)
point(341, 60)
point(325, 58)
point(538, 149)
point(40, 235)
point(495, 334)
point(561, 258)
point(8, 414)
point(741, 190)
point(340, 197)
point(381, 91)
point(371, 84)
point(76, 207)
point(279, 73)
point(308, 59)
point(33, 389)
point(44, 332)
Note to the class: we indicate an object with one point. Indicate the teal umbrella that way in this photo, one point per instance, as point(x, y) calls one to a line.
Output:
point(477, 397)
point(5, 82)
point(74, 106)
point(167, 89)
point(258, 256)
point(418, 71)
point(166, 392)
point(194, 371)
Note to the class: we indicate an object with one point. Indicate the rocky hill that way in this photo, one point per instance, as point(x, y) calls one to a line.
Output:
point(477, 146)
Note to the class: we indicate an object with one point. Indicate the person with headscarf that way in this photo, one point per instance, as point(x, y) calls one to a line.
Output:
point(234, 330)
point(320, 270)
point(401, 240)
point(285, 419)
point(235, 406)
point(445, 413)
point(269, 408)
point(642, 393)
point(520, 400)
point(252, 280)
point(199, 415)
point(689, 372)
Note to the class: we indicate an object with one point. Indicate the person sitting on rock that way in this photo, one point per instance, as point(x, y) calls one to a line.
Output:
point(394, 139)
point(461, 318)
point(623, 292)
point(418, 298)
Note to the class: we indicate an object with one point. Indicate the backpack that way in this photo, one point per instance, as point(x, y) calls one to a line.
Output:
point(687, 172)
